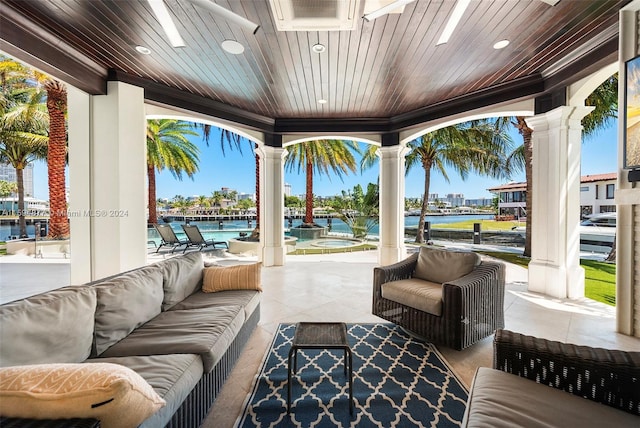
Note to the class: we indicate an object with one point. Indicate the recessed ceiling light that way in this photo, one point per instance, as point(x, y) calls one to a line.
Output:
point(318, 48)
point(232, 47)
point(322, 101)
point(143, 50)
point(501, 44)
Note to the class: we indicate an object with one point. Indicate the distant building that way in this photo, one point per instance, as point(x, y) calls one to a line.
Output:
point(512, 199)
point(455, 199)
point(480, 202)
point(287, 189)
point(597, 193)
point(8, 173)
point(251, 196)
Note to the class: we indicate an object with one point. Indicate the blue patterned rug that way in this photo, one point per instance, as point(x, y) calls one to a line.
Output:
point(397, 382)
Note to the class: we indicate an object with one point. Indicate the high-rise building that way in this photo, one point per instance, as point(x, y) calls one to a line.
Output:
point(287, 189)
point(455, 199)
point(8, 173)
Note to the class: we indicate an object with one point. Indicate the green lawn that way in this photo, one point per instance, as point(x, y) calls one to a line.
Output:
point(484, 225)
point(304, 251)
point(600, 277)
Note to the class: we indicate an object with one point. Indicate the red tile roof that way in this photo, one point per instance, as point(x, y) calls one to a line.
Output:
point(598, 177)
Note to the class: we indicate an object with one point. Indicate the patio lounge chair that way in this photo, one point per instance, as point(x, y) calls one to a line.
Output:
point(169, 238)
point(197, 240)
point(448, 297)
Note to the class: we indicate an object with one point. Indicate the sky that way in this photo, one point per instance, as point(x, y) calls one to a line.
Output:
point(236, 170)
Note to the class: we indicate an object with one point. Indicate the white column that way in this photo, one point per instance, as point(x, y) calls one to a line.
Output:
point(79, 132)
point(392, 248)
point(117, 180)
point(627, 195)
point(555, 251)
point(272, 205)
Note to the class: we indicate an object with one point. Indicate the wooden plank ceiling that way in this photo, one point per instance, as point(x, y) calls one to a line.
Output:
point(386, 68)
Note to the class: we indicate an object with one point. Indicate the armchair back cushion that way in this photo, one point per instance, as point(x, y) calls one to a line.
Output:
point(440, 266)
point(54, 326)
point(125, 303)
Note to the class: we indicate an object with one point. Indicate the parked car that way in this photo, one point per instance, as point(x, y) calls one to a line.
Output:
point(597, 232)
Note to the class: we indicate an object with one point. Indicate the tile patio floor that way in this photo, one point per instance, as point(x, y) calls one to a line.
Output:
point(339, 288)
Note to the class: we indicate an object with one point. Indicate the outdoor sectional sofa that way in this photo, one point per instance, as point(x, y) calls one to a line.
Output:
point(154, 320)
point(542, 383)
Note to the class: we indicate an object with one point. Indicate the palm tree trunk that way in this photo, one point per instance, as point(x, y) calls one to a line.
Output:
point(151, 177)
point(257, 191)
point(425, 202)
point(526, 132)
point(56, 160)
point(22, 222)
point(308, 215)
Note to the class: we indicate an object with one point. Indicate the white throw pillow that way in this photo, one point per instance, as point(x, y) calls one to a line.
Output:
point(111, 393)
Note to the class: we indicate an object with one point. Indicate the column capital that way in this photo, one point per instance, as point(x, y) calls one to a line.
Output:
point(392, 151)
point(269, 152)
point(572, 115)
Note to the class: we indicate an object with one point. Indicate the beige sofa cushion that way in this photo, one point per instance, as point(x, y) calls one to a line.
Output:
point(440, 266)
point(111, 393)
point(53, 326)
point(503, 400)
point(125, 302)
point(419, 294)
point(172, 376)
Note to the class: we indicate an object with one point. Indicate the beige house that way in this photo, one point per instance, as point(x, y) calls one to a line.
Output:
point(597, 195)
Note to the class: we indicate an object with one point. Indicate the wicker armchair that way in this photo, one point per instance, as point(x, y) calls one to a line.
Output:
point(472, 306)
point(606, 376)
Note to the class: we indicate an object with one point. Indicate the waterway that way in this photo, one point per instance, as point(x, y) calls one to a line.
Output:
point(229, 229)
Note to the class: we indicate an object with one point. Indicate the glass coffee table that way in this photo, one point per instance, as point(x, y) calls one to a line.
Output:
point(320, 335)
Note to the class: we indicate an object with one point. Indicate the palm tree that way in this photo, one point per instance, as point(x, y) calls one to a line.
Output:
point(23, 126)
point(23, 139)
point(605, 100)
point(320, 156)
point(57, 158)
point(169, 148)
point(475, 146)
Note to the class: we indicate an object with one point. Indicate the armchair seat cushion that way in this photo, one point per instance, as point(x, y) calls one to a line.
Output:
point(419, 294)
point(498, 399)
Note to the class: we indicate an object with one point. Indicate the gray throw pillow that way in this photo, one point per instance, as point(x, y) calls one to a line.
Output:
point(182, 276)
point(440, 266)
point(125, 303)
point(53, 326)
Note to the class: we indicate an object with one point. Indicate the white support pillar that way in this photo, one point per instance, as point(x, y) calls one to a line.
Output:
point(392, 248)
point(272, 205)
point(555, 251)
point(627, 194)
point(79, 131)
point(117, 173)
